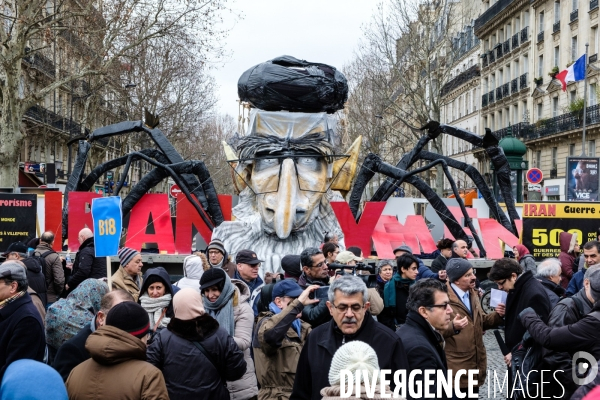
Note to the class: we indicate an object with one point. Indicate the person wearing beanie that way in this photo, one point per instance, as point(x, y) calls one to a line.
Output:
point(118, 360)
point(195, 355)
point(291, 267)
point(464, 337)
point(226, 300)
point(218, 257)
point(16, 382)
point(280, 335)
point(129, 275)
point(156, 296)
point(353, 356)
point(193, 268)
point(86, 265)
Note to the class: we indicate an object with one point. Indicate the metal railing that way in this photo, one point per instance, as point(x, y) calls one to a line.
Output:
point(492, 56)
point(506, 47)
point(514, 86)
point(490, 13)
point(45, 116)
point(515, 41)
point(540, 36)
point(523, 81)
point(461, 79)
point(41, 63)
point(524, 34)
point(574, 15)
point(484, 100)
point(556, 27)
point(499, 51)
point(517, 130)
point(499, 93)
point(484, 60)
point(491, 97)
point(593, 4)
point(505, 90)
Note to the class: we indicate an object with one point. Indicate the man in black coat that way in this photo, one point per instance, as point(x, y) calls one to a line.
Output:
point(17, 251)
point(348, 304)
point(21, 327)
point(73, 351)
point(445, 248)
point(314, 272)
point(429, 312)
point(86, 265)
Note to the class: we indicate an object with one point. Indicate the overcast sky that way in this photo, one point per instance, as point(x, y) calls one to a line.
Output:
point(325, 31)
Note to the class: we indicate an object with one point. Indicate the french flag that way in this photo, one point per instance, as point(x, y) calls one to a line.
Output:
point(574, 73)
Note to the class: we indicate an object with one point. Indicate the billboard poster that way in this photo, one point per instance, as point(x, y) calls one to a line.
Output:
point(17, 218)
point(582, 178)
point(543, 223)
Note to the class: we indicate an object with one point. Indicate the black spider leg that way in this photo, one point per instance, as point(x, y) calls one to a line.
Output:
point(476, 177)
point(73, 182)
point(373, 164)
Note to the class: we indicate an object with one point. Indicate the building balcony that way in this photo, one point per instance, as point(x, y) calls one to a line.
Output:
point(593, 4)
point(514, 86)
point(524, 34)
point(505, 90)
point(41, 63)
point(495, 10)
point(540, 36)
point(515, 41)
point(491, 97)
point(499, 93)
point(484, 60)
point(492, 56)
point(574, 16)
point(523, 81)
point(498, 51)
point(506, 47)
point(556, 27)
point(461, 79)
point(484, 100)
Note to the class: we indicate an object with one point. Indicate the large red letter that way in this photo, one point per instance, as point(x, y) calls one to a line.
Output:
point(80, 215)
point(188, 216)
point(492, 233)
point(53, 220)
point(390, 233)
point(358, 234)
point(155, 206)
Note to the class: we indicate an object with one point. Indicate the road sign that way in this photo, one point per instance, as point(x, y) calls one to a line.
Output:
point(534, 176)
point(174, 191)
point(534, 187)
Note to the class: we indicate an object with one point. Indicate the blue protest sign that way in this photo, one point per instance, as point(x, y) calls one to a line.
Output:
point(107, 216)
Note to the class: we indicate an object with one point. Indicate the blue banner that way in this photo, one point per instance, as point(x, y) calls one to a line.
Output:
point(107, 216)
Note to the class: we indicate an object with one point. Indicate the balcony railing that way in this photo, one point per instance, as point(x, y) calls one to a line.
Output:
point(490, 13)
point(556, 27)
point(499, 93)
point(524, 34)
point(484, 100)
point(505, 90)
point(506, 47)
point(518, 130)
point(499, 51)
point(41, 63)
point(491, 97)
point(45, 116)
point(523, 81)
point(492, 56)
point(515, 41)
point(540, 36)
point(574, 15)
point(514, 86)
point(461, 79)
point(484, 60)
point(594, 58)
point(593, 4)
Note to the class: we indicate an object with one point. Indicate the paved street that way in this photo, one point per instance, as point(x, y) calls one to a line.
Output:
point(495, 362)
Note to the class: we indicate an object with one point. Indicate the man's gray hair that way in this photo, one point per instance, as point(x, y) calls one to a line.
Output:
point(589, 271)
point(348, 285)
point(594, 279)
point(549, 267)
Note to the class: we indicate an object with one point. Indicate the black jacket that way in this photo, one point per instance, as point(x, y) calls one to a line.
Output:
point(315, 359)
point(555, 292)
point(35, 278)
point(314, 314)
point(72, 352)
point(439, 263)
point(392, 316)
point(423, 347)
point(86, 265)
point(188, 373)
point(21, 333)
point(528, 292)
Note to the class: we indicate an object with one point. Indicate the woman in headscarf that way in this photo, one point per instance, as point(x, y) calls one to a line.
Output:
point(157, 299)
point(226, 300)
point(66, 317)
point(525, 258)
point(129, 275)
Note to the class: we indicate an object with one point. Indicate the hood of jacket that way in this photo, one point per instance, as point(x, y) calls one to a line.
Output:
point(110, 345)
point(567, 241)
point(193, 266)
point(32, 265)
point(164, 277)
point(242, 289)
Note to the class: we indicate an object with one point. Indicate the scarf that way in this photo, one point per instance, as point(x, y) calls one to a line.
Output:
point(297, 325)
point(389, 291)
point(222, 309)
point(154, 307)
point(6, 302)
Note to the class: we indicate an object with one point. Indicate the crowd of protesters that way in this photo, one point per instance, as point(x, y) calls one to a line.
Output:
point(224, 332)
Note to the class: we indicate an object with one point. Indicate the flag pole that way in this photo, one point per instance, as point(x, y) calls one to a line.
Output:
point(584, 99)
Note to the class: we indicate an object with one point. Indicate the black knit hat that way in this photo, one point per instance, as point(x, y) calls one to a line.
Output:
point(129, 317)
point(213, 277)
point(291, 265)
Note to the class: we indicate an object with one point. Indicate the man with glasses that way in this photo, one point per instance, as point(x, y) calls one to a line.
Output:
point(428, 314)
point(314, 272)
point(218, 257)
point(248, 265)
point(348, 303)
point(279, 337)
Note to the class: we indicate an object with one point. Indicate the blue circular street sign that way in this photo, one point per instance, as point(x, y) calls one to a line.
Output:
point(534, 176)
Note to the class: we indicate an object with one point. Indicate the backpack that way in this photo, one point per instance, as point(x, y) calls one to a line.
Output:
point(527, 358)
point(41, 260)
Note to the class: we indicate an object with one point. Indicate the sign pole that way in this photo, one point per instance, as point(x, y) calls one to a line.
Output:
point(108, 273)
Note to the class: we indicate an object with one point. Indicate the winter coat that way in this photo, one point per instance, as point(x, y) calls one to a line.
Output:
point(277, 348)
point(466, 348)
point(439, 264)
point(566, 312)
point(334, 393)
point(87, 265)
point(323, 342)
point(395, 316)
point(576, 282)
point(73, 352)
point(425, 272)
point(187, 371)
point(243, 317)
point(527, 262)
point(528, 292)
point(117, 370)
point(193, 268)
point(35, 278)
point(37, 302)
point(555, 292)
point(566, 257)
point(376, 300)
point(122, 280)
point(161, 273)
point(54, 273)
point(318, 313)
point(424, 348)
point(21, 333)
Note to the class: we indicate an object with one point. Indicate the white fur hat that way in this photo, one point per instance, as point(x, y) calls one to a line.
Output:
point(353, 356)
